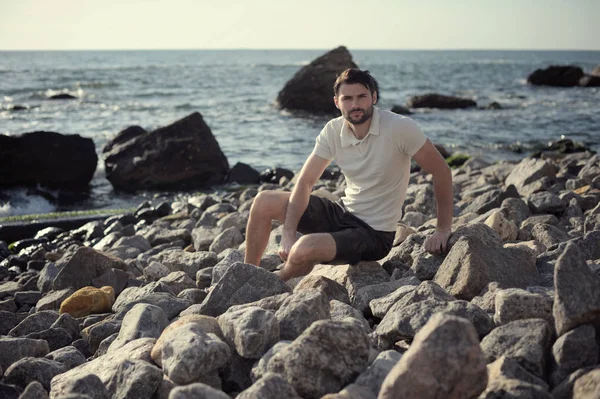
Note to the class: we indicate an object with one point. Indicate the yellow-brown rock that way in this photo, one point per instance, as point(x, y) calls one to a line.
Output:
point(507, 229)
point(208, 324)
point(89, 300)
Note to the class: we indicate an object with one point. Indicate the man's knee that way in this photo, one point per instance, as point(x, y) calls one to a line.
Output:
point(270, 203)
point(312, 248)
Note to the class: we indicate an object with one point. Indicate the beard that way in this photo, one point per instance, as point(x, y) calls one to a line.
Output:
point(366, 115)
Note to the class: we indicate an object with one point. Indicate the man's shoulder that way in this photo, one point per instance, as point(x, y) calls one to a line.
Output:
point(334, 125)
point(394, 119)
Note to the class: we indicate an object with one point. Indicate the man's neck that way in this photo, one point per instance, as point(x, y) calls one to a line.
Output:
point(360, 131)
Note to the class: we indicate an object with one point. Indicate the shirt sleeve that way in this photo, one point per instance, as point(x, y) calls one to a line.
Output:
point(322, 145)
point(408, 136)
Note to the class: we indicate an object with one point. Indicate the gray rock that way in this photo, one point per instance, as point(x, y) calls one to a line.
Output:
point(332, 289)
point(526, 341)
point(235, 219)
point(300, 310)
point(96, 333)
point(380, 306)
point(203, 236)
point(515, 209)
point(548, 235)
point(135, 379)
point(35, 323)
point(229, 238)
point(27, 297)
point(85, 265)
point(34, 390)
point(8, 320)
point(259, 369)
point(85, 386)
point(242, 283)
point(189, 262)
point(170, 304)
point(8, 305)
point(115, 278)
point(69, 323)
point(190, 354)
point(483, 232)
point(576, 291)
point(566, 390)
point(486, 299)
point(107, 242)
point(372, 378)
point(53, 299)
point(142, 321)
point(426, 265)
point(324, 358)
point(123, 252)
point(68, 356)
point(135, 241)
point(46, 277)
point(155, 271)
point(546, 202)
point(230, 257)
point(592, 223)
point(517, 304)
point(204, 277)
point(235, 375)
point(178, 281)
point(157, 235)
point(574, 350)
point(340, 311)
point(30, 369)
point(56, 337)
point(528, 172)
point(194, 295)
point(404, 322)
point(365, 295)
point(197, 391)
point(508, 368)
point(444, 361)
point(105, 367)
point(9, 288)
point(506, 388)
point(471, 265)
point(271, 386)
point(529, 223)
point(250, 331)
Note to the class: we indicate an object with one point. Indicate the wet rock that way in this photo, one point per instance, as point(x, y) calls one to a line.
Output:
point(324, 358)
point(311, 88)
point(556, 75)
point(430, 370)
point(433, 100)
point(146, 160)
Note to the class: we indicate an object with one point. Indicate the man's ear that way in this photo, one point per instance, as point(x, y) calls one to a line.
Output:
point(375, 98)
point(335, 101)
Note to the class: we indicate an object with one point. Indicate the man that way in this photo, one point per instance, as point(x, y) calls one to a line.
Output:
point(373, 149)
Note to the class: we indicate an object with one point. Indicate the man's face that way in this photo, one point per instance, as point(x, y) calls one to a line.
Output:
point(356, 102)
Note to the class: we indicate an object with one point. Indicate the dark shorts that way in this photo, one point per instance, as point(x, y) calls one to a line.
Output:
point(354, 239)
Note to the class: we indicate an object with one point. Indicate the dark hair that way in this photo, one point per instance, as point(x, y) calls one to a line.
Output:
point(353, 76)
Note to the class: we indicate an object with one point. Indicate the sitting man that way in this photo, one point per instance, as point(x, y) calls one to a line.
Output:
point(373, 149)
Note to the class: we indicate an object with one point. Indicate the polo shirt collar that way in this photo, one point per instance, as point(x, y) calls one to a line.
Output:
point(348, 137)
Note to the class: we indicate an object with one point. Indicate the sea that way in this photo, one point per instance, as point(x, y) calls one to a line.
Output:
point(235, 91)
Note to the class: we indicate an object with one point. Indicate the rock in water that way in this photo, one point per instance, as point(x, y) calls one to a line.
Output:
point(311, 88)
point(47, 158)
point(182, 155)
point(554, 75)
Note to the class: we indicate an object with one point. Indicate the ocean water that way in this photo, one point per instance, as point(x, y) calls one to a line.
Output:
point(235, 91)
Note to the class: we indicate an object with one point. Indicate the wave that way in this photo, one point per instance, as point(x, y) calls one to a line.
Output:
point(22, 202)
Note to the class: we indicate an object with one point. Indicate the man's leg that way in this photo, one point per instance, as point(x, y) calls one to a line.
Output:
point(267, 206)
point(308, 251)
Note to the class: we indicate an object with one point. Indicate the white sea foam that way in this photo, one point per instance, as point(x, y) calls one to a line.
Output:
point(20, 203)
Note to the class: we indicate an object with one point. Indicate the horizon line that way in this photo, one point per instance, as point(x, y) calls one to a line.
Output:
point(304, 49)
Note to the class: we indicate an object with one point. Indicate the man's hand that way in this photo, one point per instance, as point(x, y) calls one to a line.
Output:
point(438, 242)
point(287, 242)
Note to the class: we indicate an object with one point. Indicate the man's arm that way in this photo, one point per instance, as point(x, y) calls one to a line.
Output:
point(432, 162)
point(311, 172)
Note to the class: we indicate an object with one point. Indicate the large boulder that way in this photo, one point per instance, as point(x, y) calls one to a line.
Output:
point(182, 155)
point(47, 158)
point(556, 75)
point(434, 100)
point(311, 88)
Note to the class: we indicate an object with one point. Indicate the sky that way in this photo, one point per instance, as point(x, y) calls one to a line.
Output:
point(299, 24)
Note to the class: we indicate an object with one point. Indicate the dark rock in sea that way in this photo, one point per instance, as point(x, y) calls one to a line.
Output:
point(493, 105)
point(589, 81)
point(183, 155)
point(62, 96)
point(399, 109)
point(47, 158)
point(274, 175)
point(311, 88)
point(434, 100)
point(244, 174)
point(16, 107)
point(555, 75)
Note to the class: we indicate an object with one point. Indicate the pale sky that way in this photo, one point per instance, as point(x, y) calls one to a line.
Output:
point(299, 24)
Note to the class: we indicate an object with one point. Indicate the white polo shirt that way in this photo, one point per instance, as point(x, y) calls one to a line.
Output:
point(376, 168)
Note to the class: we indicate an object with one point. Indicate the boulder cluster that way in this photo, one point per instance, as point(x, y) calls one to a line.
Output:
point(159, 304)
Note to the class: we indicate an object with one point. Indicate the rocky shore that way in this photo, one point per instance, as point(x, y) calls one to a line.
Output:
point(159, 304)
